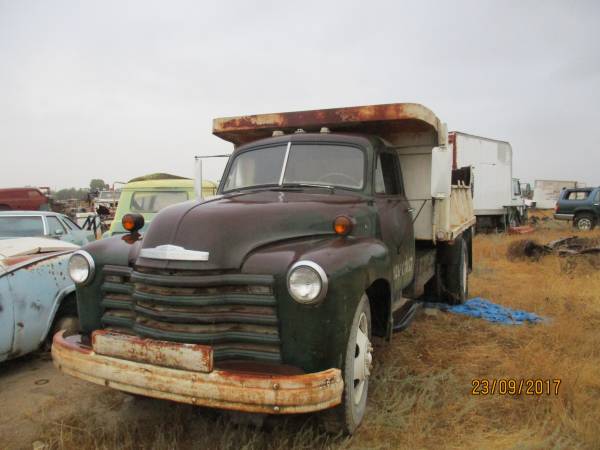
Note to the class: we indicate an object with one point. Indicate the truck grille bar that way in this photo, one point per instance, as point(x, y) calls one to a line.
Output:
point(236, 314)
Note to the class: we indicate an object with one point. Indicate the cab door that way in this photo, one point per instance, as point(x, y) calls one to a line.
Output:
point(395, 219)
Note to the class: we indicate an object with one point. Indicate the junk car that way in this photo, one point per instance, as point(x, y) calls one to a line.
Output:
point(37, 297)
point(148, 196)
point(43, 224)
point(580, 205)
point(328, 225)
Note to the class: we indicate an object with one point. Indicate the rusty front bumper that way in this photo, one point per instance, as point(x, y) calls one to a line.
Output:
point(235, 390)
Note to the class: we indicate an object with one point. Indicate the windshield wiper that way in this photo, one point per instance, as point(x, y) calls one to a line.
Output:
point(249, 188)
point(312, 185)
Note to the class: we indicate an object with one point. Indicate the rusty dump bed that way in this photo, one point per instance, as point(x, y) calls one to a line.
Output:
point(380, 120)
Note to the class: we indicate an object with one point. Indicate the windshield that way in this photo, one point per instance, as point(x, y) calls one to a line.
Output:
point(21, 226)
point(154, 201)
point(315, 164)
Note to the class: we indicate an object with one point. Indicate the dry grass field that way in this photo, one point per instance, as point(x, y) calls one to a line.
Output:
point(421, 388)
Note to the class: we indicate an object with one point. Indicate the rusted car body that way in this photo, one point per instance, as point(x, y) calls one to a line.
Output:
point(24, 199)
point(265, 298)
point(36, 292)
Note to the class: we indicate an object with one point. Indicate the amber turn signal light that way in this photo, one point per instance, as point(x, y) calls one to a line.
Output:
point(342, 225)
point(133, 222)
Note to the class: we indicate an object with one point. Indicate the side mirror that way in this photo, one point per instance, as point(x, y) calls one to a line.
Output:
point(59, 232)
point(441, 172)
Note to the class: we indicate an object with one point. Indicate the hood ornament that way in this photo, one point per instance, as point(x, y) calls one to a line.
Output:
point(174, 253)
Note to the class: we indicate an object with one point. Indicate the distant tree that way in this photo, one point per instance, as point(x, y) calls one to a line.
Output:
point(70, 193)
point(98, 185)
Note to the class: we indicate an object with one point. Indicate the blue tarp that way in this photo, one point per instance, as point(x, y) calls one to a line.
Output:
point(484, 309)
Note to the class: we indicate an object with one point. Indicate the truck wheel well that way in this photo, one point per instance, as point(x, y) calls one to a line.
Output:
point(584, 212)
point(68, 306)
point(379, 294)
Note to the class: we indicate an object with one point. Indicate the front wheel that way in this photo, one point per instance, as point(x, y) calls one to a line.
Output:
point(356, 371)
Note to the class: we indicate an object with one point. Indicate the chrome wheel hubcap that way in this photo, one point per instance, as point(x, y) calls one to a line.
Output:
point(585, 224)
point(363, 358)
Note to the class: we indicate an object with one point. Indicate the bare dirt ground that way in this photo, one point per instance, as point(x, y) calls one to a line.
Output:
point(421, 390)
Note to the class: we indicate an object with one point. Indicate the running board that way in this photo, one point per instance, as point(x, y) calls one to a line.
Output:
point(407, 319)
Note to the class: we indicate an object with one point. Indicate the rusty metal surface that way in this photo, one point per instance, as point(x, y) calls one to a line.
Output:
point(151, 351)
point(236, 390)
point(379, 120)
point(237, 320)
point(32, 288)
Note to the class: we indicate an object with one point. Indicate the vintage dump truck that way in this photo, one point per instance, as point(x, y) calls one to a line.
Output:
point(326, 227)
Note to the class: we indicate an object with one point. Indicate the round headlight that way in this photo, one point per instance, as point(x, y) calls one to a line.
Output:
point(307, 282)
point(81, 267)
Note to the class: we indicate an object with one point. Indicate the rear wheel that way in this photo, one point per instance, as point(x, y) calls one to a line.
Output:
point(457, 274)
point(584, 222)
point(356, 371)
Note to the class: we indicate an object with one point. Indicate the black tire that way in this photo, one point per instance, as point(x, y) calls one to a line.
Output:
point(584, 222)
point(346, 417)
point(457, 274)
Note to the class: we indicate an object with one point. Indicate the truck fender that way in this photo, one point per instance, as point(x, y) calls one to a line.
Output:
point(355, 267)
point(352, 265)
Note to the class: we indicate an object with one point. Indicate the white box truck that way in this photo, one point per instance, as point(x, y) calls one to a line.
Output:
point(497, 196)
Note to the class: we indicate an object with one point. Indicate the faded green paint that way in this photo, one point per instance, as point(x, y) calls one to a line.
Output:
point(263, 232)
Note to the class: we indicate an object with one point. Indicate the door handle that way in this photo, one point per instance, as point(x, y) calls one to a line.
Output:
point(410, 210)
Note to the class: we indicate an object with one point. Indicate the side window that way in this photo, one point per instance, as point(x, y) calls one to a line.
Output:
point(54, 224)
point(387, 175)
point(597, 199)
point(578, 195)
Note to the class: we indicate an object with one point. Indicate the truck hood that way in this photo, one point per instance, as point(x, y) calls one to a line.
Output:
point(230, 227)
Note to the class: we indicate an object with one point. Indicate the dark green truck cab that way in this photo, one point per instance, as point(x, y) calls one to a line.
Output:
point(581, 205)
point(326, 227)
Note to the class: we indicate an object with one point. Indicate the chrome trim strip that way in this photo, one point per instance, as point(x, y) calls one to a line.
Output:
point(173, 253)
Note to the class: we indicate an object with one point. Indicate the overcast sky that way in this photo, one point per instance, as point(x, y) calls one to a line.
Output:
point(117, 89)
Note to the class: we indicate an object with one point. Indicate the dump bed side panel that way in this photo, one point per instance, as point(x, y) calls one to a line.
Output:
point(414, 152)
